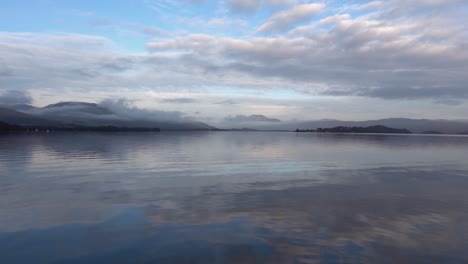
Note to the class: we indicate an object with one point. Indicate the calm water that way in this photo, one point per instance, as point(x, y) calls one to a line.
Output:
point(222, 197)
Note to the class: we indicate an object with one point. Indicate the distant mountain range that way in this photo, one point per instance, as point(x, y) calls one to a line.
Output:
point(372, 129)
point(250, 118)
point(434, 126)
point(81, 114)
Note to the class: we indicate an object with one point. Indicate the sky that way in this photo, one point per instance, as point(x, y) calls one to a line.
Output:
point(229, 59)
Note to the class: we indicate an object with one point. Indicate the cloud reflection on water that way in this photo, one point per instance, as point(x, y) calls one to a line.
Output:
point(218, 201)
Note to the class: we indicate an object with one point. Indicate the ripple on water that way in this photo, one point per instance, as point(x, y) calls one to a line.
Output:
point(233, 198)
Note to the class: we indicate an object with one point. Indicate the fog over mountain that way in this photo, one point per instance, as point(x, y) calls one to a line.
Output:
point(123, 108)
point(250, 118)
point(107, 113)
point(15, 97)
point(122, 113)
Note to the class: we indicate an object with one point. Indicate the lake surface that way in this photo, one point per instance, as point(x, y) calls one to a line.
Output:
point(233, 197)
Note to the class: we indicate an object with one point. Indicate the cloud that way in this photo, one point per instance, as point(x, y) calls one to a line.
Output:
point(13, 97)
point(227, 102)
point(196, 1)
point(202, 24)
point(243, 6)
point(150, 31)
point(343, 55)
point(56, 60)
point(279, 2)
point(4, 70)
point(285, 20)
point(430, 3)
point(250, 118)
point(370, 5)
point(124, 108)
point(407, 54)
point(251, 6)
point(450, 102)
point(179, 100)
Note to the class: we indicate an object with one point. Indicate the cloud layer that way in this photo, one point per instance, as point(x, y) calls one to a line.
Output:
point(250, 118)
point(373, 49)
point(383, 53)
point(12, 97)
point(124, 108)
point(285, 20)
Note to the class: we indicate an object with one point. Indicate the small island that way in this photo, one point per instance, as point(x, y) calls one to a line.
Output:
point(371, 129)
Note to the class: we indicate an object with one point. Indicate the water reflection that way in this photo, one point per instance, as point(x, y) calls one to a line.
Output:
point(233, 198)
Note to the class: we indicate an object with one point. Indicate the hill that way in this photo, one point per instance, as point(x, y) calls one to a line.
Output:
point(414, 125)
point(82, 114)
point(371, 129)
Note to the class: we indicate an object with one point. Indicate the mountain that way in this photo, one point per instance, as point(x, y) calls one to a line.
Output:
point(14, 117)
point(371, 129)
point(250, 118)
point(414, 125)
point(82, 114)
point(75, 108)
point(22, 107)
point(95, 115)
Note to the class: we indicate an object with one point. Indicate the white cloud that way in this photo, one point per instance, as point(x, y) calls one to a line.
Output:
point(386, 51)
point(358, 56)
point(284, 20)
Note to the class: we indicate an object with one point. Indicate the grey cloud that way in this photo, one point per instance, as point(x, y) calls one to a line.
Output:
point(430, 3)
point(13, 97)
point(118, 64)
point(227, 102)
point(244, 6)
point(179, 100)
point(251, 6)
point(54, 60)
point(421, 8)
point(401, 56)
point(398, 92)
point(358, 56)
point(83, 63)
point(154, 31)
point(444, 101)
point(279, 2)
point(124, 108)
point(285, 20)
point(250, 118)
point(71, 110)
point(147, 31)
point(4, 69)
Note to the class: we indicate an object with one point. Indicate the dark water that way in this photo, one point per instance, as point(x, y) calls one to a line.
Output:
point(221, 197)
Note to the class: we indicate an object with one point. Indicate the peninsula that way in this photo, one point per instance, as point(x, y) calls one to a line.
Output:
point(371, 129)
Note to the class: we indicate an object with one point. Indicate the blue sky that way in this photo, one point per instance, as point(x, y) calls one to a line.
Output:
point(125, 21)
point(290, 59)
